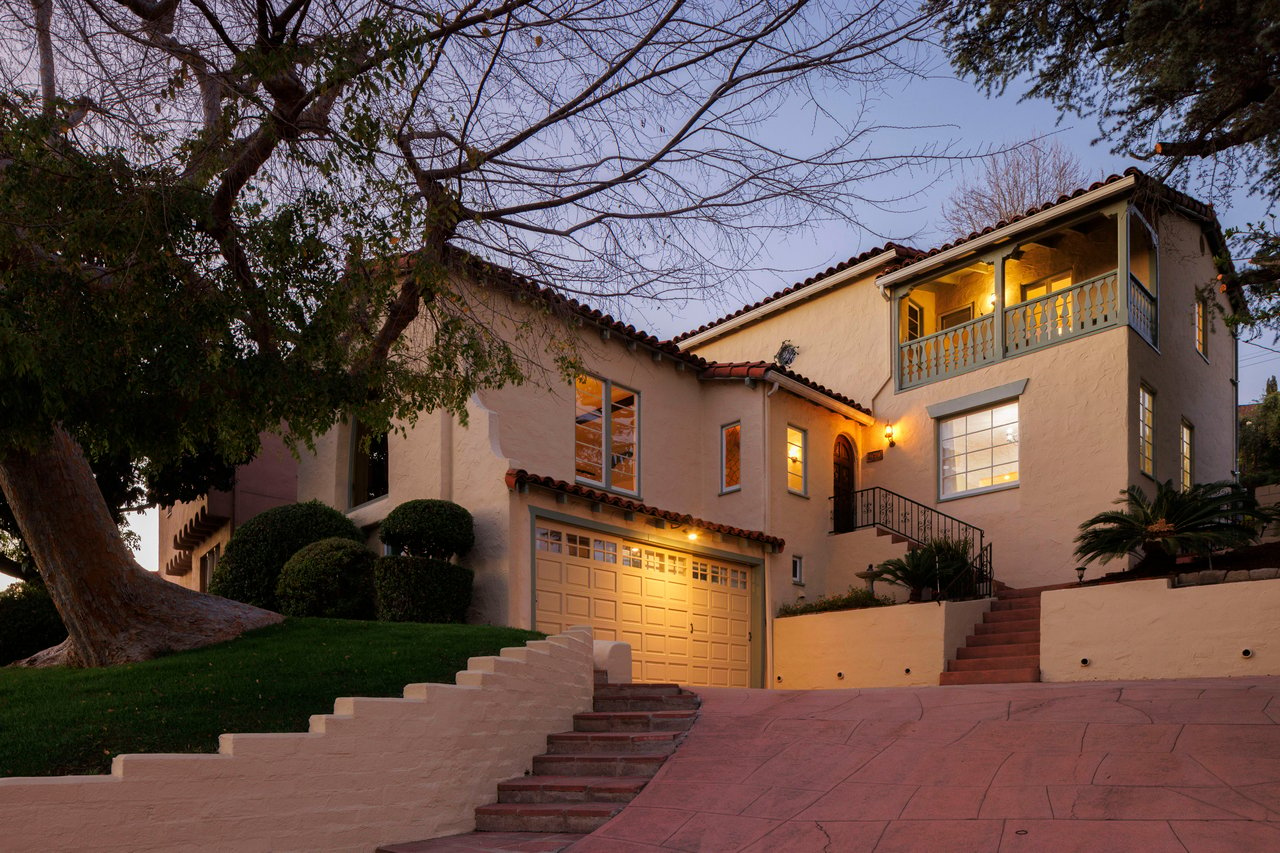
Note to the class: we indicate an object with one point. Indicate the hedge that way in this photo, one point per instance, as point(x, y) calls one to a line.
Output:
point(332, 578)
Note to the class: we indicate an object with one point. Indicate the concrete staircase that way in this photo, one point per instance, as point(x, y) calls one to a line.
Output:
point(1005, 646)
point(585, 777)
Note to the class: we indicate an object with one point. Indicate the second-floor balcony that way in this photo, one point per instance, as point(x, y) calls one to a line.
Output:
point(1042, 292)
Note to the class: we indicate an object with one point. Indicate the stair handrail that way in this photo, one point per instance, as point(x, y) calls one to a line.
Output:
point(918, 523)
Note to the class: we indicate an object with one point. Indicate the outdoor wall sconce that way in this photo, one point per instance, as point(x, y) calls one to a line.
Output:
point(888, 435)
point(1080, 574)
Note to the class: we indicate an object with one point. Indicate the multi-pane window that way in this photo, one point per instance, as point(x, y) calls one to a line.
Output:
point(731, 458)
point(1187, 455)
point(979, 450)
point(915, 321)
point(1146, 431)
point(577, 546)
point(605, 552)
point(209, 562)
point(797, 568)
point(632, 556)
point(796, 460)
point(370, 465)
point(607, 434)
point(1202, 327)
point(551, 541)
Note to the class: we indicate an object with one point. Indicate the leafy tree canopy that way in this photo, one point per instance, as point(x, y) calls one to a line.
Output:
point(1260, 440)
point(1190, 87)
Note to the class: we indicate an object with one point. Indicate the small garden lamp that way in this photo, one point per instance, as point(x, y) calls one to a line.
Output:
point(1080, 574)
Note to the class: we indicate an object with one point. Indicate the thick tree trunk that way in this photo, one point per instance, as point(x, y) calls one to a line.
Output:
point(115, 611)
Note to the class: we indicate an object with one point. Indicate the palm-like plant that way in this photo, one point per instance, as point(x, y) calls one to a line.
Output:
point(1204, 518)
point(933, 565)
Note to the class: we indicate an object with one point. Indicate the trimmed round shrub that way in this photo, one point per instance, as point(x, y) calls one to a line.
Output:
point(332, 578)
point(428, 528)
point(420, 589)
point(28, 622)
point(258, 550)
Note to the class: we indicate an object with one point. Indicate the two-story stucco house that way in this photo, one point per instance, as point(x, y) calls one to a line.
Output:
point(1000, 389)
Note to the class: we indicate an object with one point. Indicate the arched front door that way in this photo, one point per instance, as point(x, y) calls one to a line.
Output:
point(843, 513)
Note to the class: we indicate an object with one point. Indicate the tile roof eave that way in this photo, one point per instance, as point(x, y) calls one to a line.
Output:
point(517, 477)
point(794, 382)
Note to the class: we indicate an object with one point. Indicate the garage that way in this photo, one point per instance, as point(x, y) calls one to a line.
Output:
point(686, 615)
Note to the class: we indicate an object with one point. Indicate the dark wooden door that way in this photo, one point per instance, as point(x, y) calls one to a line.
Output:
point(843, 516)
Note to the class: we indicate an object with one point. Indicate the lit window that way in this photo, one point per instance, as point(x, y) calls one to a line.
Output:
point(731, 458)
point(370, 465)
point(915, 321)
point(607, 449)
point(979, 450)
point(1146, 431)
point(1187, 455)
point(1202, 327)
point(795, 460)
point(797, 568)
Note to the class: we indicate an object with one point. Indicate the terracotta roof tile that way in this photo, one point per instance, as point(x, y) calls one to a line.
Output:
point(517, 477)
point(901, 251)
point(758, 369)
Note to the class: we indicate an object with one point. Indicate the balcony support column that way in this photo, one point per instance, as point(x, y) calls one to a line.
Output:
point(998, 286)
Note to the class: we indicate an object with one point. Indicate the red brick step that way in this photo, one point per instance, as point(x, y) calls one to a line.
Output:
point(570, 789)
point(544, 817)
point(633, 721)
point(1003, 650)
point(657, 743)
point(991, 676)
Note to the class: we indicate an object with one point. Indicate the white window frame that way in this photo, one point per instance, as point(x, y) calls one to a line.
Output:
point(995, 487)
point(804, 460)
point(725, 488)
point(797, 569)
point(1147, 430)
point(606, 436)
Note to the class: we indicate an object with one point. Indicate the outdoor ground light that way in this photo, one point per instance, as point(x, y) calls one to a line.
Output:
point(1080, 574)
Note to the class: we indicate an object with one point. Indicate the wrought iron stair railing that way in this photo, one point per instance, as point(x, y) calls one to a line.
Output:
point(898, 515)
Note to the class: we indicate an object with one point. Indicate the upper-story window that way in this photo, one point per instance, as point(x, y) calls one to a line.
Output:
point(797, 480)
point(1202, 326)
point(730, 458)
point(370, 465)
point(1146, 431)
point(978, 450)
point(607, 434)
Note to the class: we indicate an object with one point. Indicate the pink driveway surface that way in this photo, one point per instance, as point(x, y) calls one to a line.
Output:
point(1132, 767)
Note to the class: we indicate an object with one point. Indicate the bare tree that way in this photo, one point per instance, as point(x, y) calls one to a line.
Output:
point(206, 207)
point(1010, 183)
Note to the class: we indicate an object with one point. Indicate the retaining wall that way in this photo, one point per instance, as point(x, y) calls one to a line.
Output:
point(899, 646)
point(1148, 629)
point(376, 771)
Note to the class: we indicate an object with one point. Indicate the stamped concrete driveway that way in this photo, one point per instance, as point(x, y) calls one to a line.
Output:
point(1137, 767)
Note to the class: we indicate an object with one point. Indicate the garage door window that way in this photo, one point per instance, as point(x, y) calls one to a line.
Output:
point(549, 540)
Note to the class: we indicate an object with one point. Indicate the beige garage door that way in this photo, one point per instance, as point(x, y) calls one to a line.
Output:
point(686, 616)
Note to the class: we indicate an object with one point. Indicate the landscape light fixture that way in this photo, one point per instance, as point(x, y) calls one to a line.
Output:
point(1080, 574)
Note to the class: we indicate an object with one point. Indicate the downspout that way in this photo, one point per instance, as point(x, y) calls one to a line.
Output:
point(769, 556)
point(446, 455)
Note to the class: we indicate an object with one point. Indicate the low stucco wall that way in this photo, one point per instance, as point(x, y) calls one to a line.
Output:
point(376, 771)
point(900, 646)
point(1147, 629)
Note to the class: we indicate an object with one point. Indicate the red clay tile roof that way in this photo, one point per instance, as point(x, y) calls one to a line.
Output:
point(1144, 181)
point(901, 251)
point(517, 477)
point(758, 369)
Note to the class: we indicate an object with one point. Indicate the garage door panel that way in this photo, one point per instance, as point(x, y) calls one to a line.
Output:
point(687, 620)
point(577, 575)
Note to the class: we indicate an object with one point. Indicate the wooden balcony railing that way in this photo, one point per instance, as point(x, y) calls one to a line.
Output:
point(1090, 306)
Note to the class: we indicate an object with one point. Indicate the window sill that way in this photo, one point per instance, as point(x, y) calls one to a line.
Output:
point(731, 491)
point(804, 495)
point(798, 583)
point(975, 492)
point(591, 484)
point(369, 502)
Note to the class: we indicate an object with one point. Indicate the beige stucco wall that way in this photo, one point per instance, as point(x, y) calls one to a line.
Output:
point(376, 771)
point(1147, 629)
point(900, 646)
point(1186, 384)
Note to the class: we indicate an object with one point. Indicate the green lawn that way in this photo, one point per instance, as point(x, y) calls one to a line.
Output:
point(55, 721)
